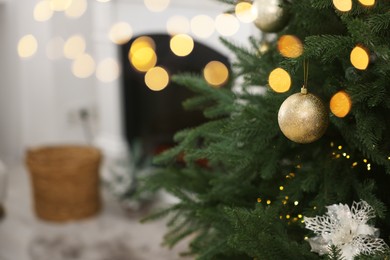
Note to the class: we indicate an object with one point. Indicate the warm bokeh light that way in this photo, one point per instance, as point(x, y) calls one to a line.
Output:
point(181, 44)
point(178, 24)
point(216, 73)
point(83, 66)
point(343, 5)
point(142, 42)
point(227, 24)
point(144, 59)
point(60, 5)
point(42, 11)
point(120, 33)
point(264, 47)
point(202, 26)
point(340, 104)
point(244, 12)
point(142, 55)
point(156, 5)
point(290, 46)
point(157, 78)
point(27, 46)
point(54, 48)
point(360, 57)
point(367, 2)
point(74, 46)
point(279, 80)
point(107, 70)
point(76, 9)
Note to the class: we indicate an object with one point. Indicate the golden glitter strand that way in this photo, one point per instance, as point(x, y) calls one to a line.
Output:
point(305, 76)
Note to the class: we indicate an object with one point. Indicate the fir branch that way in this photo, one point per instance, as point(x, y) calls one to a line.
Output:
point(366, 192)
point(335, 253)
point(379, 22)
point(327, 47)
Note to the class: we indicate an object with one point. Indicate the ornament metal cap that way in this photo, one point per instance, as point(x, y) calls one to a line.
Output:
point(304, 90)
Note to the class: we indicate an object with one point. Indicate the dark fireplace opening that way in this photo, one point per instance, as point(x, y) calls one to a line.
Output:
point(151, 118)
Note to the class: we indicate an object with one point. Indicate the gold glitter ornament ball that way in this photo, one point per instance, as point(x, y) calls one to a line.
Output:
point(271, 17)
point(303, 117)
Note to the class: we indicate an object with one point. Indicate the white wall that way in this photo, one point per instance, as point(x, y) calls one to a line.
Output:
point(10, 91)
point(38, 95)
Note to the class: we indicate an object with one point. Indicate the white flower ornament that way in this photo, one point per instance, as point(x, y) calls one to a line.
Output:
point(347, 229)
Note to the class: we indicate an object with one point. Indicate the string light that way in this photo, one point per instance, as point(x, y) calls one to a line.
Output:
point(227, 24)
point(216, 73)
point(157, 78)
point(259, 200)
point(343, 5)
point(202, 26)
point(340, 104)
point(367, 2)
point(120, 33)
point(296, 203)
point(27, 46)
point(156, 5)
point(42, 11)
point(290, 46)
point(74, 46)
point(83, 66)
point(360, 57)
point(244, 12)
point(76, 9)
point(178, 25)
point(268, 202)
point(281, 188)
point(107, 70)
point(142, 55)
point(181, 44)
point(60, 5)
point(279, 80)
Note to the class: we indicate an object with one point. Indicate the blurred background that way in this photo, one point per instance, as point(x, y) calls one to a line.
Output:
point(98, 73)
point(55, 64)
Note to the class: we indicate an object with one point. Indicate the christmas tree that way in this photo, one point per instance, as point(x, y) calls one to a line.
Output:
point(300, 169)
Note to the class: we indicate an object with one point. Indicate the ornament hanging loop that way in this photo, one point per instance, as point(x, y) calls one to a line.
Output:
point(305, 76)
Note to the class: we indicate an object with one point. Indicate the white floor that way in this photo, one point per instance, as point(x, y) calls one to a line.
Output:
point(22, 235)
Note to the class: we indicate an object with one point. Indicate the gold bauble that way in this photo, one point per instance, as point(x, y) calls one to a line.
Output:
point(303, 117)
point(271, 17)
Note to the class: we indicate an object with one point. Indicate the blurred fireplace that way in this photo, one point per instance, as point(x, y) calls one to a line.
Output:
point(151, 118)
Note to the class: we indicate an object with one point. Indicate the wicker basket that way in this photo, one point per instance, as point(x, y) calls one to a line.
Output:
point(65, 181)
